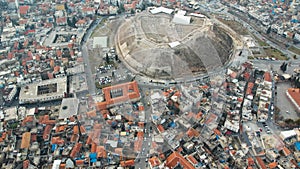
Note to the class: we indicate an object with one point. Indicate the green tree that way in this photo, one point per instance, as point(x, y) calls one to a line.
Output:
point(132, 11)
point(289, 121)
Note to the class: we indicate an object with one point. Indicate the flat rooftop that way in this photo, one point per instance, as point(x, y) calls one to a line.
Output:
point(100, 42)
point(44, 90)
point(68, 108)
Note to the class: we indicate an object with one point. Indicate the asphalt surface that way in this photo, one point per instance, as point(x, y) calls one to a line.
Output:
point(88, 71)
point(89, 75)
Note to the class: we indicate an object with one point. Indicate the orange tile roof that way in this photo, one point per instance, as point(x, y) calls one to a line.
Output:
point(62, 166)
point(57, 140)
point(75, 150)
point(141, 124)
point(176, 158)
point(27, 119)
point(101, 152)
point(130, 91)
point(192, 132)
point(75, 129)
point(199, 115)
point(286, 151)
point(160, 128)
point(138, 145)
point(127, 163)
point(81, 21)
point(26, 140)
point(212, 117)
point(261, 163)
point(162, 156)
point(250, 161)
point(179, 149)
point(79, 162)
point(267, 77)
point(273, 165)
point(26, 164)
point(192, 159)
point(141, 108)
point(154, 161)
point(3, 137)
point(82, 130)
point(46, 133)
point(56, 69)
point(74, 137)
point(233, 75)
point(119, 151)
point(33, 137)
point(217, 132)
point(93, 147)
point(24, 9)
point(249, 88)
point(60, 128)
point(140, 135)
point(61, 20)
point(295, 95)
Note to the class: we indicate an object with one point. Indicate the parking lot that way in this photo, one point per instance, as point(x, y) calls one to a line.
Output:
point(111, 71)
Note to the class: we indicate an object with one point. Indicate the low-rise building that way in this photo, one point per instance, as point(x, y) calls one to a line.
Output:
point(47, 90)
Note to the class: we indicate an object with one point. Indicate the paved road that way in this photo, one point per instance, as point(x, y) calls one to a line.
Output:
point(261, 36)
point(88, 71)
point(144, 154)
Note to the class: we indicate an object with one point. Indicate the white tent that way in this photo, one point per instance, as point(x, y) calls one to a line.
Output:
point(180, 19)
point(287, 134)
point(174, 44)
point(161, 9)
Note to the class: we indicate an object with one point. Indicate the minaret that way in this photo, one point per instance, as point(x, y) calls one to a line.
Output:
point(18, 7)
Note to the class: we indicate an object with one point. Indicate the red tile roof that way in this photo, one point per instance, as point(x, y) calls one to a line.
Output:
point(160, 128)
point(130, 91)
point(79, 162)
point(138, 145)
point(176, 158)
point(61, 20)
point(26, 140)
point(57, 140)
point(127, 163)
point(273, 165)
point(24, 9)
point(27, 119)
point(101, 152)
point(249, 88)
point(261, 163)
point(192, 159)
point(286, 151)
point(47, 131)
point(267, 77)
point(250, 161)
point(140, 135)
point(60, 128)
point(154, 161)
point(295, 95)
point(75, 150)
point(75, 129)
point(93, 147)
point(25, 164)
point(192, 133)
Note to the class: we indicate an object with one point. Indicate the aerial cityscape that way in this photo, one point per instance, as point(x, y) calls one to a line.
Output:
point(143, 84)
